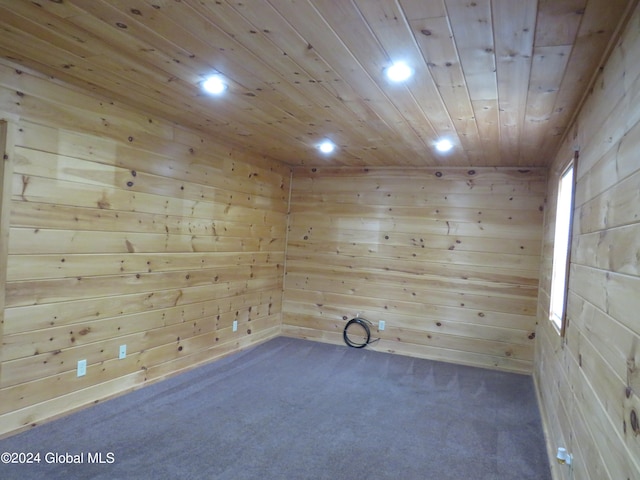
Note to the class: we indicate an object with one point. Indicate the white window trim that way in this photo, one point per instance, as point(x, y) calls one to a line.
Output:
point(562, 247)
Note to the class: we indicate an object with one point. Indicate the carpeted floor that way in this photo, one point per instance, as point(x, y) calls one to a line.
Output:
point(294, 409)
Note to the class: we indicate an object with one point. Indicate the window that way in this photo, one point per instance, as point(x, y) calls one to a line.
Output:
point(562, 248)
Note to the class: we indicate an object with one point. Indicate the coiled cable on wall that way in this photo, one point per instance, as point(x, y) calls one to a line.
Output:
point(357, 333)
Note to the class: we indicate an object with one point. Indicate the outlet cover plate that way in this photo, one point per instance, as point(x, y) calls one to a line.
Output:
point(82, 368)
point(123, 352)
point(235, 325)
point(381, 325)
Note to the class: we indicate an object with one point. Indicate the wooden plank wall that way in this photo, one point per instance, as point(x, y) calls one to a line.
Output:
point(125, 229)
point(448, 258)
point(589, 387)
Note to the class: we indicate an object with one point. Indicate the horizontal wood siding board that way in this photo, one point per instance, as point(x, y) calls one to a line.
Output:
point(54, 291)
point(614, 249)
point(459, 243)
point(348, 306)
point(415, 250)
point(24, 267)
point(191, 304)
point(35, 240)
point(427, 199)
point(413, 268)
point(57, 217)
point(434, 282)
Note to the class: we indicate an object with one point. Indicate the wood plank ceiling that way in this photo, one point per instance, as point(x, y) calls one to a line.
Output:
point(500, 78)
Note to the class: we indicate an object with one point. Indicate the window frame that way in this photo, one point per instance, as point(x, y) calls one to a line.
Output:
point(560, 322)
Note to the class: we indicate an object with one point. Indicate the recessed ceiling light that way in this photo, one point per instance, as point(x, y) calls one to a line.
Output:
point(399, 72)
point(327, 146)
point(444, 145)
point(214, 85)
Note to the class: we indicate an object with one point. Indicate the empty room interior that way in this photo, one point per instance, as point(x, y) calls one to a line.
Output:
point(200, 184)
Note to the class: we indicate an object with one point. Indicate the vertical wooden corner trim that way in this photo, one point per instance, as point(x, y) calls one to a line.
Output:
point(7, 141)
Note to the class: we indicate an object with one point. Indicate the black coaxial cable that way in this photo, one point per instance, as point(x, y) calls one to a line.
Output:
point(357, 333)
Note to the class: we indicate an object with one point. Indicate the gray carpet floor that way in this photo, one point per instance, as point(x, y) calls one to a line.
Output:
point(295, 409)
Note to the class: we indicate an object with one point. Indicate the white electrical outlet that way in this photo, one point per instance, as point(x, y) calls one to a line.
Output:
point(123, 352)
point(82, 368)
point(235, 325)
point(381, 325)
